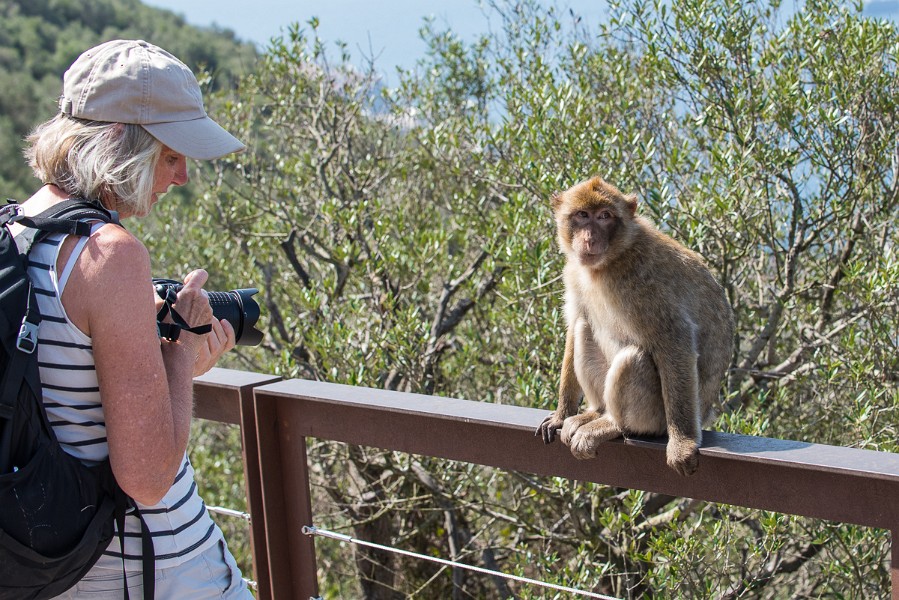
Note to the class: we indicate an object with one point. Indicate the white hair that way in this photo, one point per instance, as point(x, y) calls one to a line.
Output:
point(113, 163)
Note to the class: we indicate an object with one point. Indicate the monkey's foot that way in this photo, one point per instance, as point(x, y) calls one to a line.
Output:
point(572, 424)
point(583, 446)
point(683, 456)
point(588, 433)
point(548, 428)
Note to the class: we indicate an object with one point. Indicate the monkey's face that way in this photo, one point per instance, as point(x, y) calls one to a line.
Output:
point(589, 230)
point(592, 219)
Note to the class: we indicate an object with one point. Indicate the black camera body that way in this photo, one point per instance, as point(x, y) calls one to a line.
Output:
point(236, 306)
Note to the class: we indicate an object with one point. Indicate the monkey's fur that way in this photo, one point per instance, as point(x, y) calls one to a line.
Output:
point(650, 331)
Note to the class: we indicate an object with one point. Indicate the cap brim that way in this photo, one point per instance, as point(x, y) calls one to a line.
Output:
point(200, 139)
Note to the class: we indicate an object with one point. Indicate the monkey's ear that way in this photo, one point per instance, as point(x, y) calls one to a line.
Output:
point(630, 201)
point(556, 201)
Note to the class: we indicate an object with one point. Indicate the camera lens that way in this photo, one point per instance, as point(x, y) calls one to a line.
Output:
point(238, 308)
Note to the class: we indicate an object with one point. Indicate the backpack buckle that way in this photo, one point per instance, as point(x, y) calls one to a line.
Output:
point(27, 340)
point(10, 213)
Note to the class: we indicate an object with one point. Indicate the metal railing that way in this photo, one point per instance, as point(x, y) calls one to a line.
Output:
point(847, 485)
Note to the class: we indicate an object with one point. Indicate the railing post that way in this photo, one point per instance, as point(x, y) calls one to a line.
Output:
point(308, 584)
point(894, 563)
point(226, 396)
point(284, 473)
point(250, 448)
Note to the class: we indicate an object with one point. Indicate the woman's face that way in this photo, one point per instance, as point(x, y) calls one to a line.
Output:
point(171, 169)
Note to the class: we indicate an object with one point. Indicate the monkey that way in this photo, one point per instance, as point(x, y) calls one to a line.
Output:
point(649, 329)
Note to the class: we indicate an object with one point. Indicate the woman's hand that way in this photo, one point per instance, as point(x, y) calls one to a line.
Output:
point(192, 303)
point(218, 341)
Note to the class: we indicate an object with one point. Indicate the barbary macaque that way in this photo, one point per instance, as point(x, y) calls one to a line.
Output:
point(650, 330)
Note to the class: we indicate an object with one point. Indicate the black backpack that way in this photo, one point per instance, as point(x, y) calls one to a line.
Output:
point(57, 515)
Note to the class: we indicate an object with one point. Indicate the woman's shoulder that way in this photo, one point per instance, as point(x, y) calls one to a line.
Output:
point(114, 254)
point(109, 282)
point(112, 236)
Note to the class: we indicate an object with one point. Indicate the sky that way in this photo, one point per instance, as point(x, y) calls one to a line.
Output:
point(386, 30)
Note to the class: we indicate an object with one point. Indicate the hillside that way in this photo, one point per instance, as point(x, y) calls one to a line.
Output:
point(40, 38)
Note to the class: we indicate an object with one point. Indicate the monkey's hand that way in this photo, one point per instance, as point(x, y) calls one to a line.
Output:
point(549, 427)
point(683, 455)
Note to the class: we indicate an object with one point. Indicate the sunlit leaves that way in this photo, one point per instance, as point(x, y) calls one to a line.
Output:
point(762, 137)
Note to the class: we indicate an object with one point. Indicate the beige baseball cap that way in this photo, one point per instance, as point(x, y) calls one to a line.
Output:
point(133, 81)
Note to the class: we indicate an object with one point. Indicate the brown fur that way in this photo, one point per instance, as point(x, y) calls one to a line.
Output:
point(649, 329)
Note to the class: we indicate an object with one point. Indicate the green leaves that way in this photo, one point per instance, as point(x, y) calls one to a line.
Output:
point(402, 239)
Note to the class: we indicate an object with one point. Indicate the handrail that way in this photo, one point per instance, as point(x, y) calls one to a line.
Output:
point(226, 395)
point(827, 482)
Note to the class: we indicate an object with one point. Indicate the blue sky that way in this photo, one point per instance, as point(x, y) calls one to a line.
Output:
point(386, 30)
point(882, 8)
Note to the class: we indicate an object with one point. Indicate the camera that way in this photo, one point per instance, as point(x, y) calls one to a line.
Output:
point(237, 307)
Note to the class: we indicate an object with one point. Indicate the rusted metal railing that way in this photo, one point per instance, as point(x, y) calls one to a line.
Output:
point(813, 480)
point(226, 396)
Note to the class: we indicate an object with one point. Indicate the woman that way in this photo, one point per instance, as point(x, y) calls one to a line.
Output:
point(130, 115)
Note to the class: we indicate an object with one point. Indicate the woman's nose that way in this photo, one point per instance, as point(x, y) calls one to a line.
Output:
point(180, 176)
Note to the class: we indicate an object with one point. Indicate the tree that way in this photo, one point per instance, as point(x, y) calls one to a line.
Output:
point(39, 39)
point(412, 248)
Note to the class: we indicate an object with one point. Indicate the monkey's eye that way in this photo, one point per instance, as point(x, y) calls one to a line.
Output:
point(582, 214)
point(605, 215)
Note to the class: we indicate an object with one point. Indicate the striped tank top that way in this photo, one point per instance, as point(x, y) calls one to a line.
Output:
point(180, 524)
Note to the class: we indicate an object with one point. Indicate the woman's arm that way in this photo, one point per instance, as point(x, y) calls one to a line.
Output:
point(145, 383)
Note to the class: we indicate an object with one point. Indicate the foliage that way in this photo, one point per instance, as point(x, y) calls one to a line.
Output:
point(401, 239)
point(39, 39)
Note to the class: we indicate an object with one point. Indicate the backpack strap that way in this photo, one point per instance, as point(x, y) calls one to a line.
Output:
point(16, 373)
point(148, 553)
point(71, 216)
point(148, 556)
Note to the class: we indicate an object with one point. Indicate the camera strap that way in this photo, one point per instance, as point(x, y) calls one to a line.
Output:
point(172, 331)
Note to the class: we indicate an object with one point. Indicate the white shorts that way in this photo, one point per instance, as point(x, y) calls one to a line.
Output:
point(212, 574)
